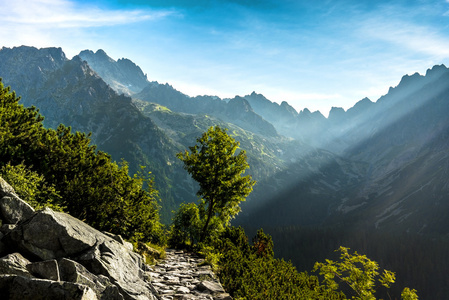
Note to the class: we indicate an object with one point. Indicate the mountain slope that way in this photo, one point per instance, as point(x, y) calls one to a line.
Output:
point(70, 92)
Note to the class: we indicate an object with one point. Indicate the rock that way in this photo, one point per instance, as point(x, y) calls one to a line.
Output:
point(123, 267)
point(74, 272)
point(52, 235)
point(14, 264)
point(5, 189)
point(45, 269)
point(12, 208)
point(14, 287)
point(55, 235)
point(119, 239)
point(210, 286)
point(101, 265)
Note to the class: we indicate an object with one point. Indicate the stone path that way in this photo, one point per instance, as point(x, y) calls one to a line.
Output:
point(179, 277)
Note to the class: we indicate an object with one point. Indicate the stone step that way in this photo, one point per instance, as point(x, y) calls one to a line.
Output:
point(180, 276)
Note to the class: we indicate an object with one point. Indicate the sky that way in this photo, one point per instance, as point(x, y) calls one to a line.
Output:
point(312, 54)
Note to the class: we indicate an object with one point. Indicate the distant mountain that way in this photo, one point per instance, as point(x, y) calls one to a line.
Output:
point(122, 75)
point(70, 92)
point(399, 144)
point(236, 111)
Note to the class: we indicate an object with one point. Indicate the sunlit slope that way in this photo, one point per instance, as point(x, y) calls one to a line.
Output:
point(397, 150)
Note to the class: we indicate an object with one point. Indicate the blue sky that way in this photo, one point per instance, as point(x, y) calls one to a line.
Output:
point(312, 54)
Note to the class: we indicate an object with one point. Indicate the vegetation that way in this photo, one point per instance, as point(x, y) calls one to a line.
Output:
point(212, 163)
point(31, 186)
point(358, 273)
point(77, 177)
point(251, 272)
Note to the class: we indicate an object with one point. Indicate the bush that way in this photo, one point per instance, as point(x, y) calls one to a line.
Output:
point(32, 187)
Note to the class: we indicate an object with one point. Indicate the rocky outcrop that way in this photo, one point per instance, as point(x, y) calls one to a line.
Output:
point(52, 255)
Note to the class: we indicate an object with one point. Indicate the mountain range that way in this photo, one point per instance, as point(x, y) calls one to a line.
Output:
point(381, 165)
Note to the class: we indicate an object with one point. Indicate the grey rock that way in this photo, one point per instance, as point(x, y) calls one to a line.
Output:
point(5, 188)
point(55, 235)
point(210, 286)
point(47, 269)
point(14, 264)
point(52, 235)
point(181, 276)
point(13, 209)
point(14, 287)
point(123, 267)
point(74, 272)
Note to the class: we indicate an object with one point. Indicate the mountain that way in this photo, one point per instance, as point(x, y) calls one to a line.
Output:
point(122, 75)
point(236, 111)
point(70, 92)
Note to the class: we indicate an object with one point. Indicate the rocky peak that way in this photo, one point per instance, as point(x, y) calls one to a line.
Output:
point(123, 75)
point(336, 113)
point(239, 105)
point(360, 107)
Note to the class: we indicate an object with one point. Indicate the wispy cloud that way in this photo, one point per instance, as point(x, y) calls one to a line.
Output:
point(66, 14)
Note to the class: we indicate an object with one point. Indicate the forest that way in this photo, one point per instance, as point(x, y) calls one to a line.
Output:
point(62, 170)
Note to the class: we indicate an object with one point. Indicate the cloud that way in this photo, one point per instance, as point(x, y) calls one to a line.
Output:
point(67, 14)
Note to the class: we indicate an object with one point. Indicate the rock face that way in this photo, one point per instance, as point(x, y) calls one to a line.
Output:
point(51, 255)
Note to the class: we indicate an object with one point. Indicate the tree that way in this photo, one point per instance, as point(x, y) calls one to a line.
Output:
point(212, 163)
point(359, 273)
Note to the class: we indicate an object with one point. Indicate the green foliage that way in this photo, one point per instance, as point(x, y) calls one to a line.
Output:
point(359, 273)
point(185, 230)
point(32, 187)
point(212, 163)
point(93, 188)
point(246, 272)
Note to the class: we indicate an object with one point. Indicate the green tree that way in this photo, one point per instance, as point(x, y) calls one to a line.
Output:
point(359, 273)
point(212, 163)
point(186, 226)
point(92, 187)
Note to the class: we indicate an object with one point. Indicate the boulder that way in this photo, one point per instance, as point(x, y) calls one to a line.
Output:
point(12, 208)
point(47, 269)
point(50, 235)
point(122, 266)
point(53, 235)
point(56, 256)
point(5, 189)
point(14, 264)
point(210, 287)
point(15, 287)
point(75, 272)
